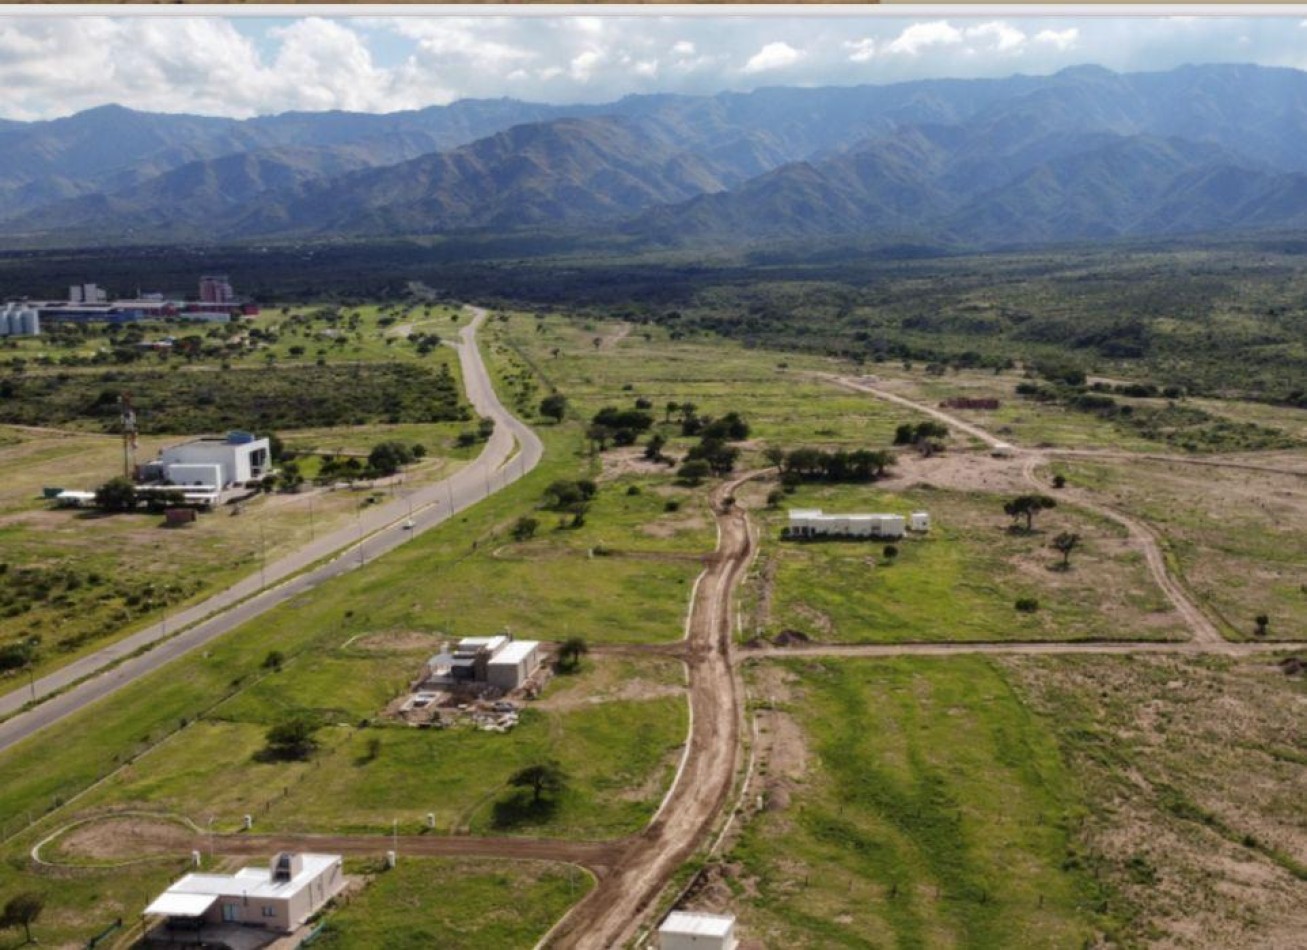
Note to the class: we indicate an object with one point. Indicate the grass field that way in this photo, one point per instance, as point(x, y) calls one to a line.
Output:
point(79, 580)
point(456, 904)
point(907, 803)
point(1238, 539)
point(959, 582)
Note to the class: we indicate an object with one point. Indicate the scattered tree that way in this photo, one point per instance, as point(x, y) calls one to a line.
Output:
point(274, 660)
point(387, 458)
point(117, 494)
point(1059, 481)
point(1027, 605)
point(554, 406)
point(694, 471)
point(22, 910)
point(525, 528)
point(571, 651)
point(891, 552)
point(1066, 542)
point(1027, 506)
point(291, 739)
point(1262, 621)
point(544, 777)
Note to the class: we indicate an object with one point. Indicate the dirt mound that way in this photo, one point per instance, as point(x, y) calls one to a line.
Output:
point(789, 638)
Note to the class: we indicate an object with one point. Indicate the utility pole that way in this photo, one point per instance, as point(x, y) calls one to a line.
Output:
point(263, 557)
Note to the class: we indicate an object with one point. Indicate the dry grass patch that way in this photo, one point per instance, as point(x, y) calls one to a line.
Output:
point(1193, 770)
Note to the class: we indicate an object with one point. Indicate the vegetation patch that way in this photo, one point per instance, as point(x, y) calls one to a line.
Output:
point(933, 810)
point(459, 904)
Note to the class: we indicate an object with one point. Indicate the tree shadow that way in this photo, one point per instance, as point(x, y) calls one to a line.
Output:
point(521, 809)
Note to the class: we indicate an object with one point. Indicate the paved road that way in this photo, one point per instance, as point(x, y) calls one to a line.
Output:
point(378, 530)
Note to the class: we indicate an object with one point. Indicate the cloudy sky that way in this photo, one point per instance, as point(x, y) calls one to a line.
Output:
point(240, 66)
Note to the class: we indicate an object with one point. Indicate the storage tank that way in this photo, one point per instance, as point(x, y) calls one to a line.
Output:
point(29, 320)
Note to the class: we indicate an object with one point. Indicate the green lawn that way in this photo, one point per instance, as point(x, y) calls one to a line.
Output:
point(934, 811)
point(456, 904)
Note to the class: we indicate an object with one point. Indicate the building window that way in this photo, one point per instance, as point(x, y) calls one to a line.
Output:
point(269, 911)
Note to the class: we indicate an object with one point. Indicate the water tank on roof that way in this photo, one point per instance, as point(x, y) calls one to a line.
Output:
point(240, 438)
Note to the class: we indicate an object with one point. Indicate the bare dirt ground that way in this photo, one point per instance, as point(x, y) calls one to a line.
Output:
point(164, 837)
point(124, 838)
point(398, 641)
point(1205, 859)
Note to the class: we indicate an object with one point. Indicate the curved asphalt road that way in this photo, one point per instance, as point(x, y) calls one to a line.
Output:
point(378, 530)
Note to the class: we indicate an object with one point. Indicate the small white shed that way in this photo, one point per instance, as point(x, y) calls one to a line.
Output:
point(1001, 450)
point(919, 521)
point(693, 931)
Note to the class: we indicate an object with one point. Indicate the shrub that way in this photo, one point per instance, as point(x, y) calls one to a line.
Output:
point(1027, 605)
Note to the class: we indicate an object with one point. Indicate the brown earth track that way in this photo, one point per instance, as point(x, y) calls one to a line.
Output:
point(161, 835)
point(609, 914)
point(1201, 628)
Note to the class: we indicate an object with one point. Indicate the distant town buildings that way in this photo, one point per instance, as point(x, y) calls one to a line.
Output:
point(90, 303)
point(19, 320)
point(216, 289)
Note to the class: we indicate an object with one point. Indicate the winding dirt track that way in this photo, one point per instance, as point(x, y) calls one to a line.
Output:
point(609, 914)
point(1200, 625)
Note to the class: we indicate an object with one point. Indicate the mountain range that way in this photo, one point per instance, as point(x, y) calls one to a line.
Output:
point(1084, 154)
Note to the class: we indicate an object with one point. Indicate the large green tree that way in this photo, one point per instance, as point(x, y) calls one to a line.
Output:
point(541, 778)
point(1027, 506)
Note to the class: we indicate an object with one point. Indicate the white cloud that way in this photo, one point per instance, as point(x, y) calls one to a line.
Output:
point(683, 48)
point(920, 36)
point(647, 67)
point(583, 65)
point(1004, 37)
point(772, 56)
point(1059, 39)
point(860, 51)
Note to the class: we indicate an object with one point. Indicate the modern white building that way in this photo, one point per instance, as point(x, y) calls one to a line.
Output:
point(813, 523)
point(214, 463)
point(499, 661)
point(279, 897)
point(513, 665)
point(693, 931)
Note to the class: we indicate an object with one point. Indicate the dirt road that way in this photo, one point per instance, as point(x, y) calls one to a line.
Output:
point(1200, 625)
point(609, 915)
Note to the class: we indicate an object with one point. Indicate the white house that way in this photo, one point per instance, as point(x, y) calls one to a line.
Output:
point(812, 523)
point(279, 897)
point(499, 660)
point(693, 931)
point(233, 459)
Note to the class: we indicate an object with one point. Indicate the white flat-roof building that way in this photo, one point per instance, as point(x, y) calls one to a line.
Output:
point(279, 897)
point(513, 665)
point(813, 523)
point(236, 458)
point(499, 660)
point(693, 931)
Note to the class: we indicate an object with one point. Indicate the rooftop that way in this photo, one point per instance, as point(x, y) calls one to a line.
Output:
point(697, 925)
point(251, 882)
point(515, 652)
